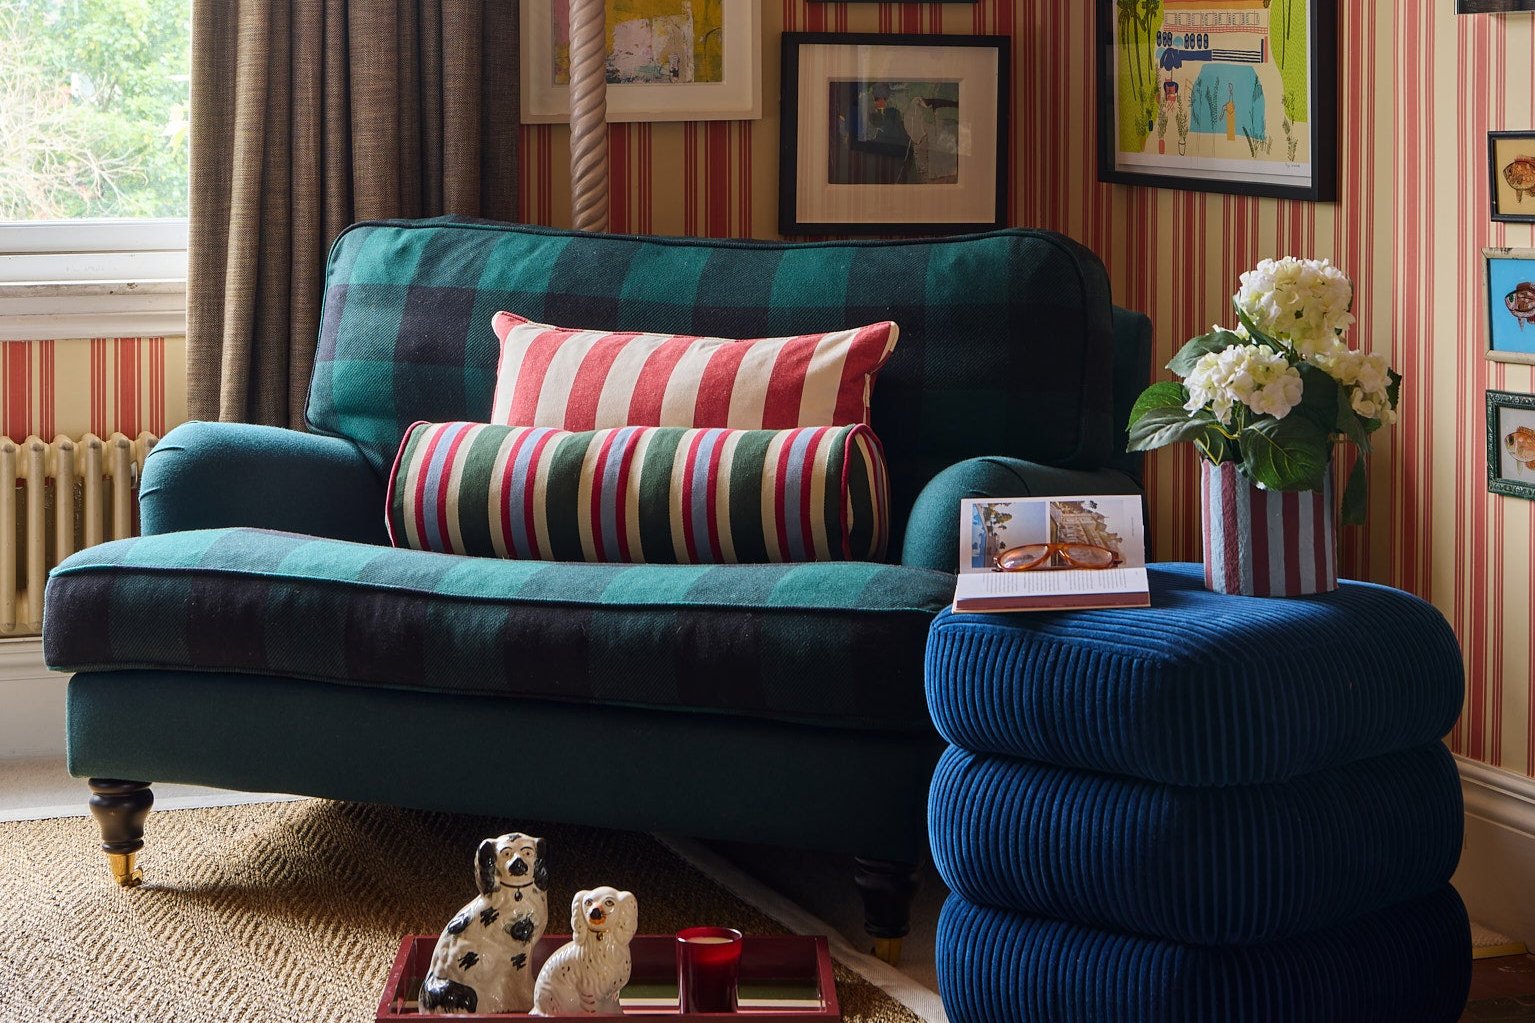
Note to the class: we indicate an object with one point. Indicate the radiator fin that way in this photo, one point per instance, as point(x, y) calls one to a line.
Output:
point(56, 498)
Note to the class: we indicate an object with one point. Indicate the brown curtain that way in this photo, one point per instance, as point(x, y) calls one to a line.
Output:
point(308, 115)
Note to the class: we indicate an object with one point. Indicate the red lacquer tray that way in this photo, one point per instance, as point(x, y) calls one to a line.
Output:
point(784, 978)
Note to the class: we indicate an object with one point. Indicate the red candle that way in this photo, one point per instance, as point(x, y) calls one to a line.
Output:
point(708, 968)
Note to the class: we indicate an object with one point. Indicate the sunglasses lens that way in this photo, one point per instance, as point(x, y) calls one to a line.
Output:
point(1015, 558)
point(1089, 556)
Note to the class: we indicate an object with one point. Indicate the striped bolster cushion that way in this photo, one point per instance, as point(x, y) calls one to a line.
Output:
point(596, 380)
point(641, 494)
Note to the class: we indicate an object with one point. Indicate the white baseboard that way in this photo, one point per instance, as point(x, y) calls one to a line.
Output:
point(32, 724)
point(1496, 877)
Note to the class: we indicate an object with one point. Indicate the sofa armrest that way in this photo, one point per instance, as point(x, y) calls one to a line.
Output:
point(209, 475)
point(932, 531)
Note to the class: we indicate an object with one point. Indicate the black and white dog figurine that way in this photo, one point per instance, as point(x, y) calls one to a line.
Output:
point(585, 975)
point(484, 958)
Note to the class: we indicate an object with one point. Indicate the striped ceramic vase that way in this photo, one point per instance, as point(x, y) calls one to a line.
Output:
point(1264, 543)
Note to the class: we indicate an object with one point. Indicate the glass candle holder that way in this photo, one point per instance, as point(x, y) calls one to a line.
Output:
point(708, 969)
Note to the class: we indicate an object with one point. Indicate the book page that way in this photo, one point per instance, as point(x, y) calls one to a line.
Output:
point(989, 526)
point(1049, 584)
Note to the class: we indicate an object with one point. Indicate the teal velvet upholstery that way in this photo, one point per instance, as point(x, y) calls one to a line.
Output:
point(757, 703)
point(855, 791)
point(207, 475)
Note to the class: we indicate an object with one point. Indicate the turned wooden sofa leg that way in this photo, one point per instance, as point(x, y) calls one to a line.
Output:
point(888, 889)
point(120, 808)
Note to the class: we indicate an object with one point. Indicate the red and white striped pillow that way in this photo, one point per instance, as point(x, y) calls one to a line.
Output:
point(597, 380)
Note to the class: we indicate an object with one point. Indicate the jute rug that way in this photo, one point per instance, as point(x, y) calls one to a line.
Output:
point(294, 911)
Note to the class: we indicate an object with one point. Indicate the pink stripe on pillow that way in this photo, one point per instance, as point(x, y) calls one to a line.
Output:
point(570, 379)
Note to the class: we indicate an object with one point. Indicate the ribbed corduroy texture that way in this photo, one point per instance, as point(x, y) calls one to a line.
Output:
point(1200, 688)
point(1407, 964)
point(1210, 866)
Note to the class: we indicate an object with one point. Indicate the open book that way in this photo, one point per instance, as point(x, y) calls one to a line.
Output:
point(1059, 537)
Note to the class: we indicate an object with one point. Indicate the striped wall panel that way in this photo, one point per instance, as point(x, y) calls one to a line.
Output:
point(1419, 89)
point(94, 385)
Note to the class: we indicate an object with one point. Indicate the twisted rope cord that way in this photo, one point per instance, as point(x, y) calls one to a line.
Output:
point(588, 115)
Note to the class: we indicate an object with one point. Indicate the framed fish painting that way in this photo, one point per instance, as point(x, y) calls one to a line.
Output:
point(1511, 161)
point(1511, 444)
point(1237, 96)
point(1510, 305)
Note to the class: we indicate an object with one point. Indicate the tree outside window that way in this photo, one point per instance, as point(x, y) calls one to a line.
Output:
point(93, 108)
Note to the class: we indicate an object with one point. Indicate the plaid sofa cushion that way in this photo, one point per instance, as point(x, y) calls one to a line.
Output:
point(640, 494)
point(832, 643)
point(1006, 337)
point(596, 379)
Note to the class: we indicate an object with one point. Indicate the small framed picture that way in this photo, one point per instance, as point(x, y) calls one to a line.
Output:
point(1511, 444)
point(668, 60)
point(1511, 159)
point(1493, 6)
point(1220, 97)
point(1510, 305)
point(892, 134)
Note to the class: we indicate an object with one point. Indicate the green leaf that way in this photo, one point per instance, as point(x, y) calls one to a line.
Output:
point(1321, 397)
point(1258, 336)
point(1216, 341)
point(1356, 495)
point(1286, 454)
point(1394, 389)
point(1351, 425)
point(1159, 427)
point(1163, 394)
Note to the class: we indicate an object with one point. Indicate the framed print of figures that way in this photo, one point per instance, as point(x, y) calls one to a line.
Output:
point(1493, 6)
point(1235, 96)
point(668, 60)
point(892, 134)
point(1511, 157)
point(1511, 444)
point(1510, 305)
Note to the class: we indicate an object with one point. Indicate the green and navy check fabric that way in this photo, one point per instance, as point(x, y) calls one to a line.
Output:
point(1006, 337)
point(837, 644)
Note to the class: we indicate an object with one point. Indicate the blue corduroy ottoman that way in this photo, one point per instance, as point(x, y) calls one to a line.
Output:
point(1218, 808)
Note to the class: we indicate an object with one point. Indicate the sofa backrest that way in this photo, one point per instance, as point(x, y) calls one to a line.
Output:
point(1006, 343)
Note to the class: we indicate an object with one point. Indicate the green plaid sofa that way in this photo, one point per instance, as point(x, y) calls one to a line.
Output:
point(262, 635)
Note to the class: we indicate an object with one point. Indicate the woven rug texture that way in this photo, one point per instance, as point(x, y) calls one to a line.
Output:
point(294, 911)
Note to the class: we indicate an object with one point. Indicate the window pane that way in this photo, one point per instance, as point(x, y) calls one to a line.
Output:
point(93, 108)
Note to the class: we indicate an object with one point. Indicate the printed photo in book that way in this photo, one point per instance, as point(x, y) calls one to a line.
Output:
point(1051, 553)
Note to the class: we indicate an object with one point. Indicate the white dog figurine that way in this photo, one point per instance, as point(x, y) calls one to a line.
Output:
point(586, 974)
point(483, 959)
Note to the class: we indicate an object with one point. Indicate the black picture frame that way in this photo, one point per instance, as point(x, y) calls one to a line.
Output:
point(1493, 6)
point(806, 191)
point(1503, 448)
point(1320, 185)
point(1505, 178)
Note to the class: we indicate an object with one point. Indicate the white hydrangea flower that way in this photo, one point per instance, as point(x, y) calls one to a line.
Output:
point(1302, 302)
point(1367, 379)
point(1262, 380)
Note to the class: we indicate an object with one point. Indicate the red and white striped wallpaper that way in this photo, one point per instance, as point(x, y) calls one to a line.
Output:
point(97, 385)
point(1419, 89)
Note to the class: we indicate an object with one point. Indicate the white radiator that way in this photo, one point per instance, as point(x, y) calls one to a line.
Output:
point(56, 498)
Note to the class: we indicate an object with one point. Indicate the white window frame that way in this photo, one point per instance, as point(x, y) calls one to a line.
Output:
point(92, 278)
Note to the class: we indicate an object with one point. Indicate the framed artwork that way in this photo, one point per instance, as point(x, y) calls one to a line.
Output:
point(1235, 96)
point(668, 60)
point(1510, 305)
point(1511, 444)
point(1511, 160)
point(1492, 6)
point(892, 134)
